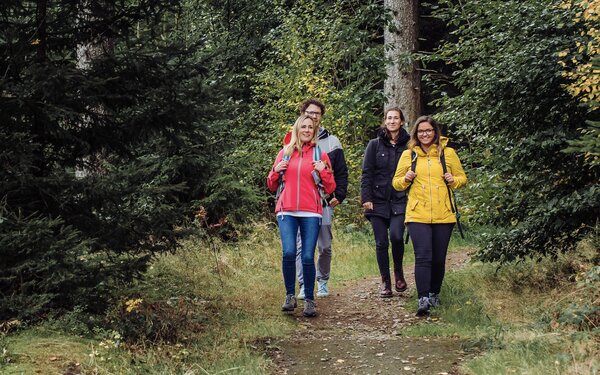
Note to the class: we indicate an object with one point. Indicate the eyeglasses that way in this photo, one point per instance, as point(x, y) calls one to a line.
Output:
point(425, 131)
point(312, 114)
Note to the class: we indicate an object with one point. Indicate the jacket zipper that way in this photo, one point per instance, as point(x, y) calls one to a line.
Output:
point(430, 189)
point(299, 170)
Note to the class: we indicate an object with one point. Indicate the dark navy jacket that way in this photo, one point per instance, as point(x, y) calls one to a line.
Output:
point(379, 166)
point(332, 146)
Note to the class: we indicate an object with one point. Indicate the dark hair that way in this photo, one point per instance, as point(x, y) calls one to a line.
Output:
point(305, 104)
point(388, 110)
point(385, 113)
point(414, 140)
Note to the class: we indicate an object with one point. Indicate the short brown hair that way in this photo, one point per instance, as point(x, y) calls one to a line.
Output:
point(305, 104)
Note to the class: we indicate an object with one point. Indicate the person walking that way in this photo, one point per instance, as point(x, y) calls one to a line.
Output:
point(429, 216)
point(331, 145)
point(299, 207)
point(384, 206)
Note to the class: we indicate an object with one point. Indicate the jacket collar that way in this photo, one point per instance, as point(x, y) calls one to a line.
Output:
point(435, 150)
point(323, 133)
point(403, 137)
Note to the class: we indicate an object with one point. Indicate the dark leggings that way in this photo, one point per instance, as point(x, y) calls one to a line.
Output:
point(395, 224)
point(430, 242)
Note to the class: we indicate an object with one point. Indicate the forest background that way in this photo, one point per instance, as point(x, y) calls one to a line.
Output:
point(128, 126)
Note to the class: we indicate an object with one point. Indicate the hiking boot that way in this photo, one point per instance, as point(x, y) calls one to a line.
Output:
point(301, 294)
point(424, 306)
point(290, 303)
point(400, 284)
point(434, 299)
point(386, 287)
point(322, 289)
point(309, 308)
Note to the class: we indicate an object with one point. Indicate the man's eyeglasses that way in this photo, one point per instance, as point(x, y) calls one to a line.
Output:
point(425, 131)
point(312, 114)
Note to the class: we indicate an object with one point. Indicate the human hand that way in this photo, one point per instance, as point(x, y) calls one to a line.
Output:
point(448, 177)
point(409, 176)
point(368, 205)
point(319, 165)
point(334, 202)
point(281, 166)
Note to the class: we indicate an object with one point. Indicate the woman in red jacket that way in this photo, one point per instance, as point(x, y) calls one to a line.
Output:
point(299, 205)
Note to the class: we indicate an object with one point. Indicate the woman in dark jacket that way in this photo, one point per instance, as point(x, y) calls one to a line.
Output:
point(384, 206)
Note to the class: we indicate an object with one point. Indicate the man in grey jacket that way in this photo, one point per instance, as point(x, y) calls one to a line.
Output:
point(332, 146)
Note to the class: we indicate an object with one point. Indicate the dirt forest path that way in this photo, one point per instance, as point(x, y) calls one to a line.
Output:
point(357, 332)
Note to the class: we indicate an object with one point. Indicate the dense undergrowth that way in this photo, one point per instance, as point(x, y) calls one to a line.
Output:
point(215, 307)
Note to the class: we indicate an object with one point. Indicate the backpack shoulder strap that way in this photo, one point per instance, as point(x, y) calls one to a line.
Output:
point(316, 153)
point(413, 161)
point(443, 162)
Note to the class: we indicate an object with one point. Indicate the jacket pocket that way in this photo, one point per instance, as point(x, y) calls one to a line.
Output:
point(317, 199)
point(379, 192)
point(413, 204)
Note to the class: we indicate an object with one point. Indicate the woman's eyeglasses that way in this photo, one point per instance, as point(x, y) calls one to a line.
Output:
point(425, 131)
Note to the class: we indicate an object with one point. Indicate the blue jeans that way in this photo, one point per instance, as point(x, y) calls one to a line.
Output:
point(309, 231)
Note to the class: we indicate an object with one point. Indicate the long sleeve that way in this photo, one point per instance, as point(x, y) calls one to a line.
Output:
point(273, 177)
point(340, 173)
point(327, 177)
point(403, 166)
point(368, 173)
point(455, 168)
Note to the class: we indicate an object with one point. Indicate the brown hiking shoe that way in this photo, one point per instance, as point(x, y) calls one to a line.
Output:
point(386, 287)
point(400, 284)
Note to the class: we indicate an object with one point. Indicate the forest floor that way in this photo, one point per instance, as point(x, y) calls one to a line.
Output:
point(357, 332)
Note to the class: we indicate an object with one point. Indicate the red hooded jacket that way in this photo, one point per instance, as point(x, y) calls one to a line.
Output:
point(300, 192)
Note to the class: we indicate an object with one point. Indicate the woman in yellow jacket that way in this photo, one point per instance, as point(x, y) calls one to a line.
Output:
point(429, 217)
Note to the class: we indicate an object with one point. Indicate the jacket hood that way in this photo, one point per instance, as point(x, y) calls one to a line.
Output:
point(323, 133)
point(403, 138)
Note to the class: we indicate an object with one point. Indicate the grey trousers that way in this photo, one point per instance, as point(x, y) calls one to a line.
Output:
point(323, 244)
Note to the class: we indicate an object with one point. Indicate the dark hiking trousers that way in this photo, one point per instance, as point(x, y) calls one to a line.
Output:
point(395, 225)
point(430, 242)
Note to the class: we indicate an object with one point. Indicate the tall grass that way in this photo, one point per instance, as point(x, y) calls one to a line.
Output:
point(214, 307)
point(536, 316)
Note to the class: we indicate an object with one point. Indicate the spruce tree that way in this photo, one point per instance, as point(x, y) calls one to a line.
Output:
point(100, 161)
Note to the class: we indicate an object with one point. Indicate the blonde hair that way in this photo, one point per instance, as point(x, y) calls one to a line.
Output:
point(295, 142)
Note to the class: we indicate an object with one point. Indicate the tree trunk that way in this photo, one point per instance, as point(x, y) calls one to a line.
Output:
point(403, 83)
point(93, 48)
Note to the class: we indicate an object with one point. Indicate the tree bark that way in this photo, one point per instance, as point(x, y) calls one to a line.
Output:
point(95, 47)
point(403, 82)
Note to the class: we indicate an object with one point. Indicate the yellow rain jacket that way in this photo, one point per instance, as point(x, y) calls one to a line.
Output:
point(428, 200)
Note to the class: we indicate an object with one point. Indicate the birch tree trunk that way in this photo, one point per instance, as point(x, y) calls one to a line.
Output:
point(403, 82)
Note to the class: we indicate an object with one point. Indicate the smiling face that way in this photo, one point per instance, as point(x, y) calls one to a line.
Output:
point(393, 121)
point(425, 134)
point(314, 112)
point(306, 131)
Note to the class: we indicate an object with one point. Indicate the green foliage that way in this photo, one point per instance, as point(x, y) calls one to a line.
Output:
point(232, 36)
point(514, 114)
point(323, 49)
point(100, 160)
point(585, 314)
